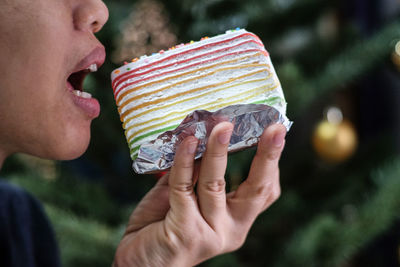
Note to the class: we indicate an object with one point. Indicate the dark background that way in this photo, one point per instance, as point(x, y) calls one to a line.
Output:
point(342, 212)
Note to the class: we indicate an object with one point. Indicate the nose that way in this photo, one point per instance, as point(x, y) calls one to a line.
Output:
point(90, 15)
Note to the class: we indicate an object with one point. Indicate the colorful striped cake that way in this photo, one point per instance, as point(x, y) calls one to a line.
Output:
point(155, 93)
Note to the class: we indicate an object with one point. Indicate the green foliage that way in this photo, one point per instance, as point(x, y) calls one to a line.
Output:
point(85, 199)
point(83, 242)
point(225, 260)
point(331, 241)
point(355, 61)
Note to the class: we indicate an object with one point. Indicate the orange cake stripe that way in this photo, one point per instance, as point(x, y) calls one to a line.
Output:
point(124, 114)
point(120, 97)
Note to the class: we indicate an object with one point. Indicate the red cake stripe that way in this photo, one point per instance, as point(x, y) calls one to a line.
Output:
point(185, 52)
point(116, 93)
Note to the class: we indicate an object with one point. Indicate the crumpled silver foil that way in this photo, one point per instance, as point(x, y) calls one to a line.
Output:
point(249, 122)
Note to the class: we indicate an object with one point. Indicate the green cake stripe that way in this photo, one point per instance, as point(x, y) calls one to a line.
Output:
point(270, 101)
point(149, 134)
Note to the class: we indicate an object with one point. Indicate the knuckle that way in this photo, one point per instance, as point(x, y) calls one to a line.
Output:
point(183, 187)
point(216, 155)
point(273, 155)
point(183, 164)
point(236, 243)
point(215, 246)
point(268, 155)
point(263, 191)
point(189, 236)
point(216, 186)
point(178, 236)
point(239, 242)
point(173, 242)
point(276, 193)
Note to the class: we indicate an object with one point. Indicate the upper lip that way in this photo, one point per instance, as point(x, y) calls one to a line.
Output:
point(92, 61)
point(97, 56)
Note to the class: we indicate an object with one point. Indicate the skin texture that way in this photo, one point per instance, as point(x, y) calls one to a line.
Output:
point(174, 225)
point(37, 112)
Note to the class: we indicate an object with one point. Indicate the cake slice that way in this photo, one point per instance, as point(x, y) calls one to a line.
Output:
point(155, 93)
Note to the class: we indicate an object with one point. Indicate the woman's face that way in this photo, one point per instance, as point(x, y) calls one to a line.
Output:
point(46, 49)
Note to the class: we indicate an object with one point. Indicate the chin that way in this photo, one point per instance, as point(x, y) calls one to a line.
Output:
point(70, 147)
point(73, 153)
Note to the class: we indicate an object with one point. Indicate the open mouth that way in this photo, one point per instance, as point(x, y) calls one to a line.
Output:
point(76, 80)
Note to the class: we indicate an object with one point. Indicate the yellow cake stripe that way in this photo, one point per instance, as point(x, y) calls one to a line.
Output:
point(123, 116)
point(189, 99)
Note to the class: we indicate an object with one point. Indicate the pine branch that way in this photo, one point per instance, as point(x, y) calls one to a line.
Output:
point(83, 242)
point(214, 17)
point(328, 241)
point(350, 65)
point(78, 196)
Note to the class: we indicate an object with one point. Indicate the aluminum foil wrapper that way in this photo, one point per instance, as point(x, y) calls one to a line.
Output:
point(249, 121)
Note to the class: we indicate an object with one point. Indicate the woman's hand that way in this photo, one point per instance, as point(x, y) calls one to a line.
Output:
point(174, 225)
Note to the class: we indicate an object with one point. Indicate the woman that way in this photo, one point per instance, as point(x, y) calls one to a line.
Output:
point(47, 47)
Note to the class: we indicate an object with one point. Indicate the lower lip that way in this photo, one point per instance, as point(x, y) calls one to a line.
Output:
point(90, 106)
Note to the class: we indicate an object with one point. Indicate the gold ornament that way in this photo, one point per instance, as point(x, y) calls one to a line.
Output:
point(396, 55)
point(334, 139)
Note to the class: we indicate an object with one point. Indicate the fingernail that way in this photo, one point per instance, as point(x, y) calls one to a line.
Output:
point(191, 147)
point(224, 137)
point(278, 139)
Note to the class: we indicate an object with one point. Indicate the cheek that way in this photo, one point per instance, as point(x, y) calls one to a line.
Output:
point(67, 129)
point(45, 125)
point(45, 113)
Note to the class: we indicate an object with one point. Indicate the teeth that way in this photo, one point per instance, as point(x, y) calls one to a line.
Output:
point(92, 68)
point(77, 92)
point(86, 95)
point(81, 94)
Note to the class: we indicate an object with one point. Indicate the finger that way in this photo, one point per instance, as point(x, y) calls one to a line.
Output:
point(265, 162)
point(211, 183)
point(196, 171)
point(146, 212)
point(261, 187)
point(181, 195)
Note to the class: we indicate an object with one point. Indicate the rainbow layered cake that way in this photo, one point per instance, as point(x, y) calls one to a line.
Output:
point(155, 93)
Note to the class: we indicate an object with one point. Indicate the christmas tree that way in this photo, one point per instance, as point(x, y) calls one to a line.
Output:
point(338, 63)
